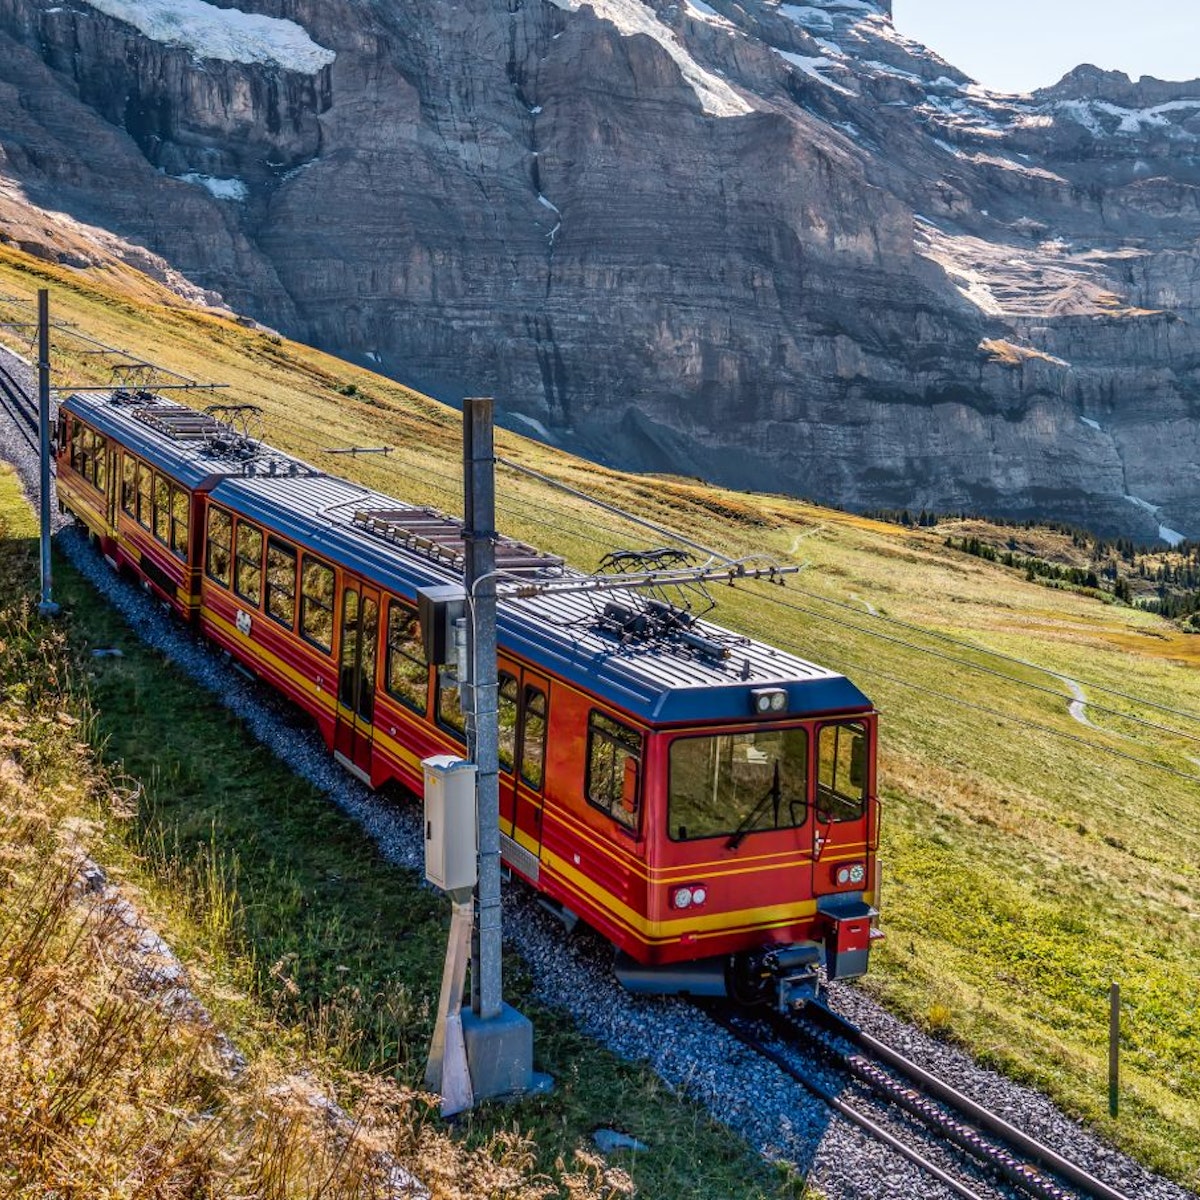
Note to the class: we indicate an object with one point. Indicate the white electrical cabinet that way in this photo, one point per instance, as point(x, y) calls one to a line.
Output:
point(450, 823)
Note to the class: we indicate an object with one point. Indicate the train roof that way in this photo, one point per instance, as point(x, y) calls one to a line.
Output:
point(668, 680)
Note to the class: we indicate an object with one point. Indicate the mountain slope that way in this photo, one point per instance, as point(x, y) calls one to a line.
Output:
point(770, 244)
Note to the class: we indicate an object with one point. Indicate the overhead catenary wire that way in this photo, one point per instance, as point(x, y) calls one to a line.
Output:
point(440, 482)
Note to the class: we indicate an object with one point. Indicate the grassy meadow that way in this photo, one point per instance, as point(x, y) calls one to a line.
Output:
point(1031, 859)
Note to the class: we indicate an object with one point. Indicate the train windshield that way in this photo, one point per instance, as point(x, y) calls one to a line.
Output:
point(736, 784)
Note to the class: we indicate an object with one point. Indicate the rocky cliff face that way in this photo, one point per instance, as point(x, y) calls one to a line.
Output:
point(777, 245)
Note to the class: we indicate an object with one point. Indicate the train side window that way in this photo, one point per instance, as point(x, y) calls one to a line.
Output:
point(129, 470)
point(533, 737)
point(449, 705)
point(75, 444)
point(100, 462)
point(316, 603)
point(86, 448)
point(144, 495)
point(406, 672)
point(162, 509)
point(180, 516)
point(247, 575)
point(506, 705)
point(842, 773)
point(281, 582)
point(220, 546)
point(614, 760)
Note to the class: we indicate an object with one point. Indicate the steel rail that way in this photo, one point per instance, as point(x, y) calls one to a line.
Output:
point(20, 406)
point(930, 1085)
point(852, 1114)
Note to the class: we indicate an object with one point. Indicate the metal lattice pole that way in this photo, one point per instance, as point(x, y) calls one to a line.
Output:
point(47, 605)
point(482, 720)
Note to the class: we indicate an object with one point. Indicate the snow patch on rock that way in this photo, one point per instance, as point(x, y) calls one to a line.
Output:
point(219, 189)
point(631, 18)
point(226, 34)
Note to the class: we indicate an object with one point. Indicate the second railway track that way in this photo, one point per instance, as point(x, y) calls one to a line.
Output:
point(974, 1153)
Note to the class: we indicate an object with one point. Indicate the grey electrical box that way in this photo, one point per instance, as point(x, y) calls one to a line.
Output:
point(437, 609)
point(450, 823)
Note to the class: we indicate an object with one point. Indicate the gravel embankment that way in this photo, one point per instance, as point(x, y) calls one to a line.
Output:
point(573, 974)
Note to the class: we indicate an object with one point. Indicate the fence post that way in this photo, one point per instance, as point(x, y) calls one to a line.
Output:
point(1114, 1048)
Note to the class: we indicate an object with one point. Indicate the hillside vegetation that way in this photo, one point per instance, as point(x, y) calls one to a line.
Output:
point(1032, 858)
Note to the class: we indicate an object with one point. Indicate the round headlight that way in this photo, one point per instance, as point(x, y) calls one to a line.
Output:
point(779, 701)
point(858, 873)
point(699, 895)
point(763, 703)
point(683, 897)
point(843, 875)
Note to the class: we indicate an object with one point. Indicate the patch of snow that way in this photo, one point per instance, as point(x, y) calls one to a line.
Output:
point(1007, 164)
point(219, 189)
point(536, 110)
point(631, 18)
point(374, 356)
point(812, 68)
point(535, 425)
point(706, 13)
point(1081, 113)
point(1172, 537)
point(226, 34)
point(831, 47)
point(548, 204)
point(949, 149)
point(883, 68)
point(1033, 121)
point(1092, 424)
point(1144, 504)
point(807, 17)
point(847, 128)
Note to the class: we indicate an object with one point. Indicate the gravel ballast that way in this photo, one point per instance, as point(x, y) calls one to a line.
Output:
point(573, 974)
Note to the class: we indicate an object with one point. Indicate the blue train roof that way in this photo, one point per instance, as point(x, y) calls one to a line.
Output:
point(661, 682)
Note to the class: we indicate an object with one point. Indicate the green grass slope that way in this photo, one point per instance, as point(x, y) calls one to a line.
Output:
point(1031, 859)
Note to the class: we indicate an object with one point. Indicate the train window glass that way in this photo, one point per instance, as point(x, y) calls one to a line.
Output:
point(144, 490)
point(735, 784)
point(247, 576)
point(842, 773)
point(180, 511)
point(100, 462)
point(506, 705)
point(614, 757)
point(368, 658)
point(76, 456)
point(407, 673)
point(533, 737)
point(349, 647)
point(316, 603)
point(162, 509)
point(220, 545)
point(281, 582)
point(449, 706)
point(129, 468)
point(86, 449)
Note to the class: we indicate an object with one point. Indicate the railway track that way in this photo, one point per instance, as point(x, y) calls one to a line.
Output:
point(20, 406)
point(974, 1153)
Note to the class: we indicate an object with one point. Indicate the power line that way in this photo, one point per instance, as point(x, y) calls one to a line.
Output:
point(1023, 722)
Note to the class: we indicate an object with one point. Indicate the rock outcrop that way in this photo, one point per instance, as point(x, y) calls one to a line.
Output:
point(776, 245)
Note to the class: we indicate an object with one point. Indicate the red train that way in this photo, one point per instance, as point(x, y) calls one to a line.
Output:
point(705, 801)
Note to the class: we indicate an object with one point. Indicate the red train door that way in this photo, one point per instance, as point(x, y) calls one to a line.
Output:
point(530, 773)
point(359, 653)
point(840, 828)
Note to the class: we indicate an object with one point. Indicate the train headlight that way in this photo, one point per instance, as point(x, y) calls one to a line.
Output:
point(768, 700)
point(691, 896)
point(849, 873)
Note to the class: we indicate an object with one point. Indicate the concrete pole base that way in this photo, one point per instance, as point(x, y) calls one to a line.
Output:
point(500, 1055)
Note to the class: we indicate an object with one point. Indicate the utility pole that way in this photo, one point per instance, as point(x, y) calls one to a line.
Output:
point(499, 1040)
point(47, 607)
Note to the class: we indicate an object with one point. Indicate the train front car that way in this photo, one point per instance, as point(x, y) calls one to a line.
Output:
point(762, 833)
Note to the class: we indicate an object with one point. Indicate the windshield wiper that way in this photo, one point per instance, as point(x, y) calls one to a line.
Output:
point(747, 822)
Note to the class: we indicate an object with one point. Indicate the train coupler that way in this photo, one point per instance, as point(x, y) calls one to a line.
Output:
point(794, 971)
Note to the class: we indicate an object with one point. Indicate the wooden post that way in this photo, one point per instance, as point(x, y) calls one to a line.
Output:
point(1114, 1048)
